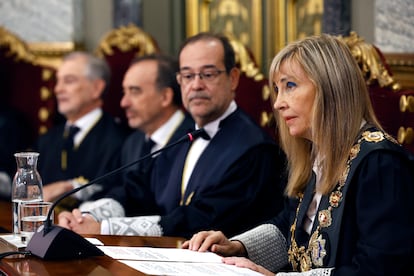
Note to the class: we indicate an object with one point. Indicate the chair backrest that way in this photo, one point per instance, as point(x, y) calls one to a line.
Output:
point(26, 82)
point(393, 105)
point(253, 93)
point(119, 47)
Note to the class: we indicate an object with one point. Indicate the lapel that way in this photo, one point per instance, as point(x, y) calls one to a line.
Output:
point(301, 235)
point(179, 161)
point(200, 176)
point(331, 234)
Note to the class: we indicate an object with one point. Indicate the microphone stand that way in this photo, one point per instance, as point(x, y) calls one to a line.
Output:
point(52, 242)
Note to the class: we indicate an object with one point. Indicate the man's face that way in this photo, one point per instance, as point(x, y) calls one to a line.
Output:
point(206, 99)
point(75, 93)
point(142, 101)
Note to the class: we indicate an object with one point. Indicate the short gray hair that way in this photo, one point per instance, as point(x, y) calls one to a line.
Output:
point(96, 68)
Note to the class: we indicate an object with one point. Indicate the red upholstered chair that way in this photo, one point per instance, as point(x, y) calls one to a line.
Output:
point(26, 82)
point(393, 105)
point(119, 47)
point(253, 93)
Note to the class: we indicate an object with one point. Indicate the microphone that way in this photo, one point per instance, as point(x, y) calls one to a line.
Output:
point(52, 242)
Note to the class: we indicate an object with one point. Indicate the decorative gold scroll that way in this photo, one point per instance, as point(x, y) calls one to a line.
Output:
point(370, 62)
point(127, 38)
point(47, 54)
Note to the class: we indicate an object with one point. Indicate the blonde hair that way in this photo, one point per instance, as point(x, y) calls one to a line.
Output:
point(341, 104)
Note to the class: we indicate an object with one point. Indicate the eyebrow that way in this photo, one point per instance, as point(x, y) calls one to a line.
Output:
point(283, 79)
point(130, 87)
point(208, 66)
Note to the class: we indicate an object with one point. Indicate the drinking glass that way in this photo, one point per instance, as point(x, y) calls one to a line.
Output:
point(31, 216)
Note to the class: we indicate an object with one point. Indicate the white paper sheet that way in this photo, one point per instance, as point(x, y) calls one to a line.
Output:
point(189, 269)
point(174, 261)
point(159, 254)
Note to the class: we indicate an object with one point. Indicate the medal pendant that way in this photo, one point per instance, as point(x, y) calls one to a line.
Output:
point(325, 218)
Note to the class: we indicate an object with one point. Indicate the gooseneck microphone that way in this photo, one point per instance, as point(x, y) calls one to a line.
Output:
point(52, 242)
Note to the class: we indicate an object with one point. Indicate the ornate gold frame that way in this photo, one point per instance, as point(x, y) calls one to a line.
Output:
point(282, 24)
point(198, 20)
point(402, 68)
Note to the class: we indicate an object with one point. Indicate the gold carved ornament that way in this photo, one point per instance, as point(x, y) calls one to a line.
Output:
point(303, 259)
point(127, 38)
point(243, 58)
point(17, 48)
point(46, 54)
point(370, 62)
point(407, 103)
point(406, 135)
point(249, 67)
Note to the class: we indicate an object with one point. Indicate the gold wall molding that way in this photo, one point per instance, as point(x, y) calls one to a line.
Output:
point(227, 16)
point(402, 68)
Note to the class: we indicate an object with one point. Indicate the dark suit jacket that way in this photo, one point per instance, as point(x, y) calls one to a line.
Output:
point(98, 153)
point(130, 194)
point(14, 137)
point(372, 230)
point(236, 184)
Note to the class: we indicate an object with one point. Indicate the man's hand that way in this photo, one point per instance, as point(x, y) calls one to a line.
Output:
point(56, 189)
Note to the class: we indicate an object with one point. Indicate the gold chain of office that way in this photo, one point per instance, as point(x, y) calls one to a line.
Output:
point(303, 259)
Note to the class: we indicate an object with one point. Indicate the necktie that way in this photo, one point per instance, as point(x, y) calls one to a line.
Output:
point(146, 149)
point(204, 135)
point(147, 146)
point(68, 137)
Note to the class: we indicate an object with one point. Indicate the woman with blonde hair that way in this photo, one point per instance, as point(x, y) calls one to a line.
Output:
point(350, 184)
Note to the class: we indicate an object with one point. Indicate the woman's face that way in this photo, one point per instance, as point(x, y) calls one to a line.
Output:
point(295, 95)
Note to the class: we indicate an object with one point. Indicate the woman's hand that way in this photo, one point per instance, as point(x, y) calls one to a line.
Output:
point(216, 242)
point(246, 263)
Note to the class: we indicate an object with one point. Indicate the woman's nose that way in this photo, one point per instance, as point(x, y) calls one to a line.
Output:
point(279, 102)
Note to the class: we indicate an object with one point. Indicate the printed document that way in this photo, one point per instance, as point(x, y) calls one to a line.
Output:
point(173, 261)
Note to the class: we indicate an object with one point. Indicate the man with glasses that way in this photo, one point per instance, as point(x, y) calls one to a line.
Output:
point(228, 181)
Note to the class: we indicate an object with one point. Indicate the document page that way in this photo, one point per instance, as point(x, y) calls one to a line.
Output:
point(159, 254)
point(189, 269)
point(173, 261)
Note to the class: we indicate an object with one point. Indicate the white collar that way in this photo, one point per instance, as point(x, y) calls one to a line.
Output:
point(163, 134)
point(213, 127)
point(86, 123)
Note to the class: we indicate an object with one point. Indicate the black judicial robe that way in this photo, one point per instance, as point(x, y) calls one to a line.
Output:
point(372, 229)
point(129, 194)
point(98, 153)
point(236, 184)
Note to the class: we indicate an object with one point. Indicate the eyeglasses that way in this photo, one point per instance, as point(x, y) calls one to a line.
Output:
point(208, 74)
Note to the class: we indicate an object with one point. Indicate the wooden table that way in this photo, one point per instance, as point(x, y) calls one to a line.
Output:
point(98, 266)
